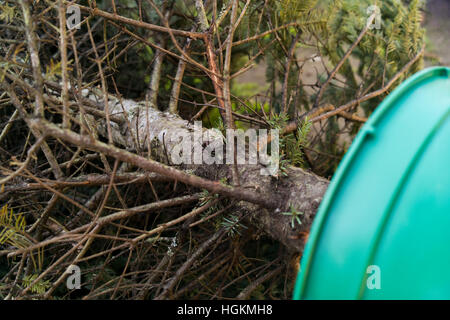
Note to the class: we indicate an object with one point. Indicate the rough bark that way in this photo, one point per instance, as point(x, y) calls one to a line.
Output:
point(300, 189)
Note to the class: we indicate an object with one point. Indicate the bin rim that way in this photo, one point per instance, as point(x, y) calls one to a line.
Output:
point(368, 129)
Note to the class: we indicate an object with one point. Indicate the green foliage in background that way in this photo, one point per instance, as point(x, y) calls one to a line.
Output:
point(381, 53)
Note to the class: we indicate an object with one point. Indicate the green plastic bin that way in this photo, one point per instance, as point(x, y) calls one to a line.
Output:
point(388, 205)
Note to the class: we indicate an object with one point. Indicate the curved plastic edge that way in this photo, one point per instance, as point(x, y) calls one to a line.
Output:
point(367, 130)
point(397, 193)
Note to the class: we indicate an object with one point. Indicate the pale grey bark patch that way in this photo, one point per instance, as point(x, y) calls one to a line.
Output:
point(300, 189)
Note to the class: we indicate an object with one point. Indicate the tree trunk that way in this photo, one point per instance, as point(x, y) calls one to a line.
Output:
point(148, 127)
